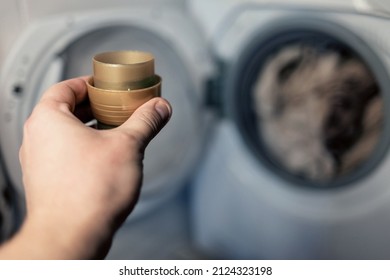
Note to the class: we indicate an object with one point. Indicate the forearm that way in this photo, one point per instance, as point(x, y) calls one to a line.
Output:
point(35, 241)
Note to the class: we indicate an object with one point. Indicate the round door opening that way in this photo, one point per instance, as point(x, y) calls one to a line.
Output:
point(311, 107)
point(164, 169)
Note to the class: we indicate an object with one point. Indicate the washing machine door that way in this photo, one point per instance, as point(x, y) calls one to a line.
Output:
point(61, 47)
point(300, 167)
point(5, 215)
point(11, 206)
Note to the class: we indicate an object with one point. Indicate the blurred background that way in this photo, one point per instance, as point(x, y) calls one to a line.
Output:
point(278, 146)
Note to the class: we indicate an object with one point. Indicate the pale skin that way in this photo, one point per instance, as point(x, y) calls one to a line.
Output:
point(80, 183)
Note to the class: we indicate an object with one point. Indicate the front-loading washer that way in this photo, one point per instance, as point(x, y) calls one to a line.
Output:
point(247, 201)
point(61, 45)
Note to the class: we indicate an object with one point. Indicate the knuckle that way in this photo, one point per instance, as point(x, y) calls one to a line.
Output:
point(123, 146)
point(151, 119)
point(32, 121)
point(127, 139)
point(29, 125)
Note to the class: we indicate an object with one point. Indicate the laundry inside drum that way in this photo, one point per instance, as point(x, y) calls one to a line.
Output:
point(318, 110)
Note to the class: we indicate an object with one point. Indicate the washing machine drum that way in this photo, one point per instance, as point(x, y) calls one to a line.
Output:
point(309, 103)
point(45, 55)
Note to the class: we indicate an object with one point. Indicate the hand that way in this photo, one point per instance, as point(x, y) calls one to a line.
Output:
point(80, 183)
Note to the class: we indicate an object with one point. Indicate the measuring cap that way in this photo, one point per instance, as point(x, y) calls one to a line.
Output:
point(121, 82)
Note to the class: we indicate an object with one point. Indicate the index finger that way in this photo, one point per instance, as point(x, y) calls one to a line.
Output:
point(69, 92)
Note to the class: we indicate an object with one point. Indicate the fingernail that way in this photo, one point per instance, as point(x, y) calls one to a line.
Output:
point(163, 110)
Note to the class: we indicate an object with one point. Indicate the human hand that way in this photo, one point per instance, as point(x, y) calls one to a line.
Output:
point(80, 183)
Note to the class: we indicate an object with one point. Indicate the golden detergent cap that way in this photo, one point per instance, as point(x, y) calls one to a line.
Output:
point(121, 82)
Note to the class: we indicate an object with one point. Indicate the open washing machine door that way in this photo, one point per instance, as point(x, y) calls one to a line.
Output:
point(62, 46)
point(261, 195)
point(6, 218)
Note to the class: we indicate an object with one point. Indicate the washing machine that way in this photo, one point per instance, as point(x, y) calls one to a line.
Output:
point(49, 41)
point(252, 199)
point(231, 193)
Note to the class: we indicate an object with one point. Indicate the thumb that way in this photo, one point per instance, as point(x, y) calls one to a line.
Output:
point(147, 120)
